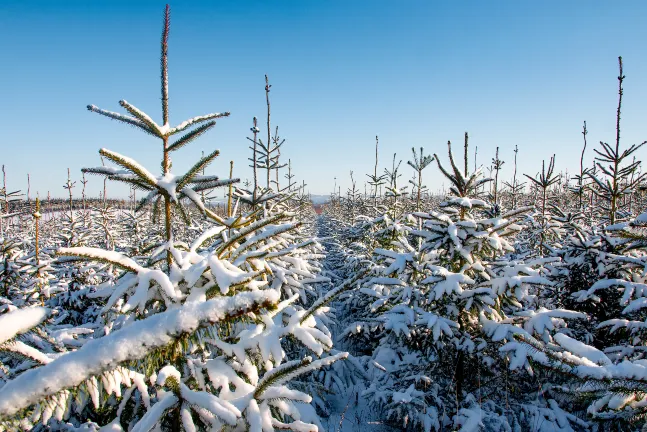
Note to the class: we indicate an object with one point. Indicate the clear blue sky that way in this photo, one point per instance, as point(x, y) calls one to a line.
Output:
point(416, 73)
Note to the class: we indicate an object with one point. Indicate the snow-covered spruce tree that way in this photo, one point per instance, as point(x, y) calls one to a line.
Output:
point(618, 176)
point(352, 203)
point(191, 336)
point(544, 232)
point(376, 181)
point(437, 311)
point(395, 195)
point(589, 250)
point(75, 229)
point(581, 186)
point(267, 153)
point(419, 163)
point(497, 164)
point(606, 375)
point(603, 372)
point(105, 218)
point(515, 189)
point(602, 274)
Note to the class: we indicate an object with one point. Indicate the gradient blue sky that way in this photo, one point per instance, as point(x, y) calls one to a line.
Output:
point(415, 73)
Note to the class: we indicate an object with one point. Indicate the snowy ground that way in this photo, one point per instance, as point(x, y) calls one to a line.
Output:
point(351, 414)
point(350, 411)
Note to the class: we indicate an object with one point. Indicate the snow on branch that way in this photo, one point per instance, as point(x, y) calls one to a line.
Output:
point(191, 136)
point(142, 116)
point(288, 371)
point(20, 321)
point(97, 254)
point(130, 164)
point(131, 343)
point(182, 126)
point(330, 295)
point(126, 119)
